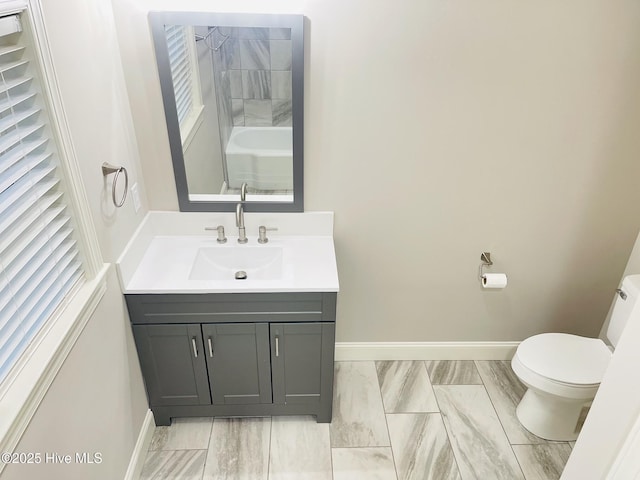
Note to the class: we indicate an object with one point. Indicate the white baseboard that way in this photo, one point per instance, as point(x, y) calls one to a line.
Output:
point(140, 450)
point(349, 351)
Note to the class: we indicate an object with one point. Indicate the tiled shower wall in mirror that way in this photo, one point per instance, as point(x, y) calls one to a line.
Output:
point(252, 71)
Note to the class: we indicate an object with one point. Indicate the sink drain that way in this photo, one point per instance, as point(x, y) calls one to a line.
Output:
point(241, 275)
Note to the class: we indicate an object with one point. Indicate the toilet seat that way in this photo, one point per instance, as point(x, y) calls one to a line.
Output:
point(564, 359)
point(552, 387)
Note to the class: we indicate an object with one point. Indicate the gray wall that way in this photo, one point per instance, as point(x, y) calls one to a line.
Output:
point(439, 130)
point(97, 402)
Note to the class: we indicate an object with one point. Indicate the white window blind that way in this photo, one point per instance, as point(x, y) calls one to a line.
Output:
point(181, 69)
point(39, 259)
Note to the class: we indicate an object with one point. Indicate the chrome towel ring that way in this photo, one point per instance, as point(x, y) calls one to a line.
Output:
point(108, 169)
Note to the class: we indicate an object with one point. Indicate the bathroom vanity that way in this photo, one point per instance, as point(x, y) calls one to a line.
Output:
point(233, 323)
point(236, 354)
point(211, 344)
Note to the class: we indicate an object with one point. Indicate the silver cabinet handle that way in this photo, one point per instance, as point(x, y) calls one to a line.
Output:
point(277, 346)
point(210, 347)
point(195, 347)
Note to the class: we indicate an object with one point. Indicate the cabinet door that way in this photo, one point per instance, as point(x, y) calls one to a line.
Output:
point(302, 362)
point(173, 364)
point(238, 362)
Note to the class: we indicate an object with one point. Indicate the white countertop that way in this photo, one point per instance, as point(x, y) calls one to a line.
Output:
point(158, 260)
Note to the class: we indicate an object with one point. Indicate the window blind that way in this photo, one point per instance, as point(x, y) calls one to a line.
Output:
point(181, 69)
point(39, 259)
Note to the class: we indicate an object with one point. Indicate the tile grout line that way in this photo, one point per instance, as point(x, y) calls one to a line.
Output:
point(335, 389)
point(446, 430)
point(440, 414)
point(330, 445)
point(269, 450)
point(206, 456)
point(386, 421)
point(499, 420)
point(204, 464)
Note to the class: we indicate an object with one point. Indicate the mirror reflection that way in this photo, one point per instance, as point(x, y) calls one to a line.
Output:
point(230, 103)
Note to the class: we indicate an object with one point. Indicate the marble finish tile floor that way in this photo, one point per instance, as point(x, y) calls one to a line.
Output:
point(392, 420)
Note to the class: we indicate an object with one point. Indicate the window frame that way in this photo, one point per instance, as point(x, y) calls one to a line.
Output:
point(27, 383)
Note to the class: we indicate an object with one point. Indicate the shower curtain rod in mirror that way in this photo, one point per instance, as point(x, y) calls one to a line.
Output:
point(206, 37)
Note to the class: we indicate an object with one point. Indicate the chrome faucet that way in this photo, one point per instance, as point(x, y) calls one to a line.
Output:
point(242, 235)
point(243, 192)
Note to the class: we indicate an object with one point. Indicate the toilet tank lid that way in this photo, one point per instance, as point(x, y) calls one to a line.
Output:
point(565, 358)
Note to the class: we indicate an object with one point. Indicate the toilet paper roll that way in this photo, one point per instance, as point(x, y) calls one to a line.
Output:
point(494, 280)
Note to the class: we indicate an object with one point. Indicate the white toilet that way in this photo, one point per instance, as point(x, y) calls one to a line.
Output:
point(563, 372)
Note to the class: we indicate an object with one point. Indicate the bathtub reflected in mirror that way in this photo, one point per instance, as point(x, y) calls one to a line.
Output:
point(232, 87)
point(261, 157)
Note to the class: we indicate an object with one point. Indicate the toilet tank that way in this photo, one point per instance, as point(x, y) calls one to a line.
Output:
point(624, 308)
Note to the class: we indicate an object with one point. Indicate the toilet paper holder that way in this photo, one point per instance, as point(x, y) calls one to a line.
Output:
point(490, 280)
point(485, 257)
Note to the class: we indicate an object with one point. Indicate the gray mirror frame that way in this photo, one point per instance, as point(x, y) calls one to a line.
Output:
point(157, 21)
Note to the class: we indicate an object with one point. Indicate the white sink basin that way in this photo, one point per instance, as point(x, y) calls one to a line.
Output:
point(260, 262)
point(195, 263)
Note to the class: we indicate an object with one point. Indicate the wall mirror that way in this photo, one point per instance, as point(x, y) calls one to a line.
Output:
point(232, 88)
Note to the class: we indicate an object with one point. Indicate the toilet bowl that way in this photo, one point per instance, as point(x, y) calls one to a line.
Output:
point(562, 372)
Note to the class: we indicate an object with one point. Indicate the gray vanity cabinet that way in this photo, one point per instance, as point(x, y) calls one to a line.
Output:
point(238, 362)
point(173, 362)
point(299, 374)
point(236, 354)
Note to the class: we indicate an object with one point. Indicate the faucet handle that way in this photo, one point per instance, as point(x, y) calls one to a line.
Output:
point(220, 229)
point(262, 233)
